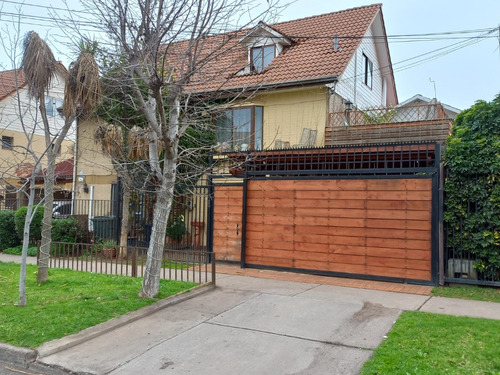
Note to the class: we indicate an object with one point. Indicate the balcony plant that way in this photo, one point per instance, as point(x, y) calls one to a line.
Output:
point(109, 248)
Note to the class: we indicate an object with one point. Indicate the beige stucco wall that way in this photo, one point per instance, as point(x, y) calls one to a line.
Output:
point(92, 164)
point(288, 112)
point(10, 160)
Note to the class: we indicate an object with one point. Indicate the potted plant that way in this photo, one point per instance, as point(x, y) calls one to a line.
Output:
point(109, 248)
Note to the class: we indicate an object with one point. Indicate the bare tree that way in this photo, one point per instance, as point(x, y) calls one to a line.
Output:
point(163, 45)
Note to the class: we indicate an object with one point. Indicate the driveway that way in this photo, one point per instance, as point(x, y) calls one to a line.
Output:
point(248, 325)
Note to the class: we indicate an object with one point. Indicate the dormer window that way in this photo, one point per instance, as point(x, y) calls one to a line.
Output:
point(261, 57)
point(263, 44)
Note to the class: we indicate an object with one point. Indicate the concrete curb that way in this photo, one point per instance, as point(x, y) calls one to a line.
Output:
point(17, 355)
point(66, 342)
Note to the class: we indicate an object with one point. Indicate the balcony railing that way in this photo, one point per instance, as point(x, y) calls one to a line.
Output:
point(383, 115)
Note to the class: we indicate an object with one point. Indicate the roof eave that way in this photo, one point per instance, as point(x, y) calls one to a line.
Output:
point(276, 86)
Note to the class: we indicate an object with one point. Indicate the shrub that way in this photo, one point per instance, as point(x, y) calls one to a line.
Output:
point(472, 205)
point(177, 229)
point(8, 235)
point(36, 223)
point(17, 250)
point(66, 230)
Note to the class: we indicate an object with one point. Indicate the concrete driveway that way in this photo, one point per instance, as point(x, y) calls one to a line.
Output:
point(248, 326)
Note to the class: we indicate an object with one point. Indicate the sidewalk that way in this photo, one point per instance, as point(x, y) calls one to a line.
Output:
point(258, 321)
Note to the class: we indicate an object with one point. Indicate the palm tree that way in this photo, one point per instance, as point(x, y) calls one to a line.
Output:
point(81, 94)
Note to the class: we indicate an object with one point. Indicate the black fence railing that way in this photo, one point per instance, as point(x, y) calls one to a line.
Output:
point(468, 262)
point(180, 265)
point(390, 159)
point(187, 225)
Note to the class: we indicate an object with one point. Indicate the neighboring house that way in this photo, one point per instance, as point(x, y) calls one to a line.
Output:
point(20, 123)
point(416, 101)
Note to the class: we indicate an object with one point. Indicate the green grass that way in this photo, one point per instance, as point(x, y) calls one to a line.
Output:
point(423, 343)
point(69, 302)
point(18, 250)
point(468, 292)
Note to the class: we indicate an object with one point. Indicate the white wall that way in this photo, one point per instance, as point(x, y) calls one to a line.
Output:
point(351, 84)
point(15, 113)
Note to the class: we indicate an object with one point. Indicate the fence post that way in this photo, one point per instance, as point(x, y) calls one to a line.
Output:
point(134, 262)
point(213, 268)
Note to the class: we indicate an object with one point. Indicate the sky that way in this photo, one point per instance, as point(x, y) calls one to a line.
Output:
point(464, 68)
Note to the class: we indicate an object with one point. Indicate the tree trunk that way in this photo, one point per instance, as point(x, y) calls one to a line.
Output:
point(44, 256)
point(151, 281)
point(124, 228)
point(26, 239)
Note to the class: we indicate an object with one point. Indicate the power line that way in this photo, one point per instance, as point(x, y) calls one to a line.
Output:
point(42, 6)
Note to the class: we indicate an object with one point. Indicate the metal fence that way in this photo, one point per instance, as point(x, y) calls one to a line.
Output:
point(388, 159)
point(180, 265)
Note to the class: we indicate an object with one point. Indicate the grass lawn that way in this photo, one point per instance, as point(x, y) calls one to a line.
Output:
point(423, 343)
point(69, 302)
point(468, 292)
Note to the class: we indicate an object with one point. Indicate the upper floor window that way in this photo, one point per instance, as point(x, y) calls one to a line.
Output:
point(51, 106)
point(261, 57)
point(239, 129)
point(368, 71)
point(7, 142)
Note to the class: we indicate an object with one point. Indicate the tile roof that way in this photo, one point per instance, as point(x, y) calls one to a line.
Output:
point(62, 171)
point(310, 57)
point(8, 84)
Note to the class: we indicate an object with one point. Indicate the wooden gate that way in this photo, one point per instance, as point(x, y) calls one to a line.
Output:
point(377, 227)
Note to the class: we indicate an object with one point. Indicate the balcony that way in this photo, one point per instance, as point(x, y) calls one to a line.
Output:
point(388, 125)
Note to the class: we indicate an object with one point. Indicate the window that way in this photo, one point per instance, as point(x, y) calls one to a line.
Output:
point(261, 57)
point(368, 71)
point(7, 142)
point(51, 106)
point(240, 129)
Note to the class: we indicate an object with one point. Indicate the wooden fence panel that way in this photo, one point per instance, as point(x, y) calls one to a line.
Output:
point(376, 227)
point(227, 224)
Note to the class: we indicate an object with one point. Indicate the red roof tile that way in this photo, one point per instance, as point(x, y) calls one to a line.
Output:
point(310, 57)
point(8, 83)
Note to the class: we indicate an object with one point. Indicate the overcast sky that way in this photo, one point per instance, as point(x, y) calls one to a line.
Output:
point(465, 69)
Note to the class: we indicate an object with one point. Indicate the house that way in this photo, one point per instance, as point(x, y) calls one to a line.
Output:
point(17, 110)
point(292, 75)
point(324, 178)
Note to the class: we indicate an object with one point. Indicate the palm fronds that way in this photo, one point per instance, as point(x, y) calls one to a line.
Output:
point(83, 87)
point(138, 144)
point(111, 139)
point(39, 65)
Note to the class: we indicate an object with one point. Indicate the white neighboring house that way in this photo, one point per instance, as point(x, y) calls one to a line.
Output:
point(21, 127)
point(434, 109)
